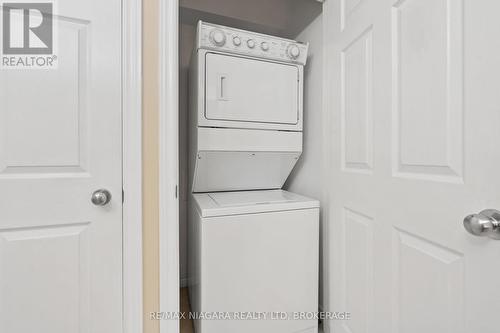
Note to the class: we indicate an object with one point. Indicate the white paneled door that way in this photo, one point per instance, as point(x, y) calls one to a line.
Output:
point(415, 110)
point(60, 140)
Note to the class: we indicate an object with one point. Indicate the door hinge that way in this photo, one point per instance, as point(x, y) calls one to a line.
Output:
point(123, 196)
point(176, 191)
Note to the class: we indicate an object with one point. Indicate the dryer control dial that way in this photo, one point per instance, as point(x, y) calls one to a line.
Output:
point(218, 37)
point(236, 40)
point(293, 51)
point(251, 43)
point(264, 46)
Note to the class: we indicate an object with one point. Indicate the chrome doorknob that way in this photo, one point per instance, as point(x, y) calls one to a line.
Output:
point(486, 223)
point(101, 197)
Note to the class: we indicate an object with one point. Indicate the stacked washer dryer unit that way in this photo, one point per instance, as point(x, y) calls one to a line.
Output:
point(253, 248)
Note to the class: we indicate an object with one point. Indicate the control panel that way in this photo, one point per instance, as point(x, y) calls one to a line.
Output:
point(217, 37)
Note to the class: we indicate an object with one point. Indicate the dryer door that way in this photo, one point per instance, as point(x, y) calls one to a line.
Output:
point(243, 91)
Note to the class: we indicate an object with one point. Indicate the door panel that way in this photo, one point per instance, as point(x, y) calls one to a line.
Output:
point(60, 139)
point(412, 82)
point(430, 53)
point(33, 99)
point(356, 113)
point(357, 278)
point(427, 283)
point(50, 266)
point(248, 90)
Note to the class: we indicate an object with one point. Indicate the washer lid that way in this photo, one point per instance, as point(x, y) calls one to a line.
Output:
point(248, 202)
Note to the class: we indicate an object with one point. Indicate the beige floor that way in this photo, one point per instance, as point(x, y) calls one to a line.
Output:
point(187, 324)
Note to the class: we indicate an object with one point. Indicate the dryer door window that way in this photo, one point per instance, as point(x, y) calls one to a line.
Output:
point(247, 90)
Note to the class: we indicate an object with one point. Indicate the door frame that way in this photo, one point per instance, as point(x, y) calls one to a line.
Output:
point(132, 165)
point(168, 41)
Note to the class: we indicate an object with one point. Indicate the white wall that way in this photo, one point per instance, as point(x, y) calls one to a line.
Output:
point(307, 176)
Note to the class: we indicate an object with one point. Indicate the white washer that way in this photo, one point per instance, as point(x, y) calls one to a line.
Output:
point(254, 252)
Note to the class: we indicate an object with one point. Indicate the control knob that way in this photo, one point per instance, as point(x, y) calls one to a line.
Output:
point(293, 51)
point(218, 37)
point(251, 43)
point(236, 40)
point(264, 46)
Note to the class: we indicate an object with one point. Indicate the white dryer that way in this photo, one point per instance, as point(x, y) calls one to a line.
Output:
point(254, 253)
point(245, 109)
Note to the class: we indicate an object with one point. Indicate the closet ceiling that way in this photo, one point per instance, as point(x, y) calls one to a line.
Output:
point(284, 18)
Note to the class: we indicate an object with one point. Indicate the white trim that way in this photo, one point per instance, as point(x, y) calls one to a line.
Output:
point(168, 165)
point(132, 164)
point(327, 166)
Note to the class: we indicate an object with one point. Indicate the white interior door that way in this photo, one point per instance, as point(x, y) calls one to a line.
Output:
point(248, 90)
point(60, 139)
point(413, 96)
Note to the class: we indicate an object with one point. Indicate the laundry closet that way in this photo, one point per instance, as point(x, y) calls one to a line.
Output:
point(251, 161)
